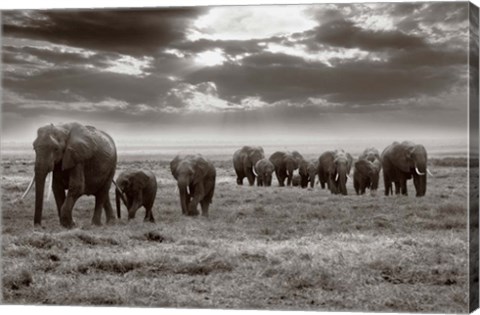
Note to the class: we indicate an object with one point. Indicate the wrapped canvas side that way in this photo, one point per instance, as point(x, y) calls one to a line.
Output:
point(474, 155)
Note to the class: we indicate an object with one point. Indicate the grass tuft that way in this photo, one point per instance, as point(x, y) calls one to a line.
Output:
point(17, 280)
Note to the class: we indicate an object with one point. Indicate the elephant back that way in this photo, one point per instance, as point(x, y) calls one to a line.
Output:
point(363, 166)
point(277, 158)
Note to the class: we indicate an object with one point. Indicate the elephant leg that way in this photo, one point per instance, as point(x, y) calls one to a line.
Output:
point(240, 177)
point(259, 181)
point(149, 215)
point(58, 190)
point(332, 185)
point(207, 200)
point(107, 206)
point(397, 188)
point(388, 185)
point(250, 176)
point(279, 178)
point(76, 188)
point(403, 187)
point(97, 213)
point(204, 204)
point(198, 193)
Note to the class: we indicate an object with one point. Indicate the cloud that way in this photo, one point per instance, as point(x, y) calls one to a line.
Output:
point(203, 98)
point(250, 22)
point(346, 34)
point(73, 84)
point(136, 32)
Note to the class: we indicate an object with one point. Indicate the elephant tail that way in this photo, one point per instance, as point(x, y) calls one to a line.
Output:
point(119, 195)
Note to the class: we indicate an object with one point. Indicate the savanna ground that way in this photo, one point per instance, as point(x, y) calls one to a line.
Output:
point(261, 248)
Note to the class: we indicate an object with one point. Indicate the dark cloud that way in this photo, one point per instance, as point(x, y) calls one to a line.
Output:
point(429, 56)
point(346, 34)
point(356, 82)
point(137, 32)
point(91, 84)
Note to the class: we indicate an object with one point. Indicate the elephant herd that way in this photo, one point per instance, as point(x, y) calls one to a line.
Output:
point(400, 162)
point(83, 160)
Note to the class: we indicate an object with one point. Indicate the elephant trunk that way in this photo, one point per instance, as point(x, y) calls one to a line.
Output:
point(290, 168)
point(342, 181)
point(136, 204)
point(40, 176)
point(184, 195)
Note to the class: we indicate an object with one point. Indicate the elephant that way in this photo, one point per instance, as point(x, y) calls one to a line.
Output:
point(402, 161)
point(366, 175)
point(325, 162)
point(83, 160)
point(285, 164)
point(136, 188)
point(244, 161)
point(195, 177)
point(308, 171)
point(370, 154)
point(333, 169)
point(264, 169)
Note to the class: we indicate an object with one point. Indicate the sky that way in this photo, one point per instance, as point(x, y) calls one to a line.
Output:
point(243, 73)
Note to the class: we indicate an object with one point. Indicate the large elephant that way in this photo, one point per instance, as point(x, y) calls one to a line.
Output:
point(244, 161)
point(285, 163)
point(402, 161)
point(366, 175)
point(83, 160)
point(264, 169)
point(308, 171)
point(195, 177)
point(333, 169)
point(136, 188)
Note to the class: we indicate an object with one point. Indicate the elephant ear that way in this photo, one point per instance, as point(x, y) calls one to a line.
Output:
point(139, 181)
point(81, 146)
point(174, 165)
point(201, 168)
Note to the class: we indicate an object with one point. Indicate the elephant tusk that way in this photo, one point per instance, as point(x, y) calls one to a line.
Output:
point(418, 172)
point(188, 190)
point(336, 177)
point(430, 173)
point(49, 186)
point(348, 176)
point(28, 188)
point(254, 173)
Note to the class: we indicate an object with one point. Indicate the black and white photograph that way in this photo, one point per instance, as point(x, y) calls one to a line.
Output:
point(296, 157)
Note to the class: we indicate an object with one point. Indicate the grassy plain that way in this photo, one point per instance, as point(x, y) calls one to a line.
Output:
point(261, 248)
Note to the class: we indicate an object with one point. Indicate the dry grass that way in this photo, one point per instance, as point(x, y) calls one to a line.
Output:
point(267, 248)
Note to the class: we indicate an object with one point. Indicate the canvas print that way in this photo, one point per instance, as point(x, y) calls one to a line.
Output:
point(274, 157)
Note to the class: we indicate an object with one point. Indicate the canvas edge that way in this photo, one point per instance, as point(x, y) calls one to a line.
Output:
point(473, 209)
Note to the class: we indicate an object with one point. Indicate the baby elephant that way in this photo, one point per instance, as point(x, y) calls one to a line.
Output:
point(366, 175)
point(195, 177)
point(264, 170)
point(136, 188)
